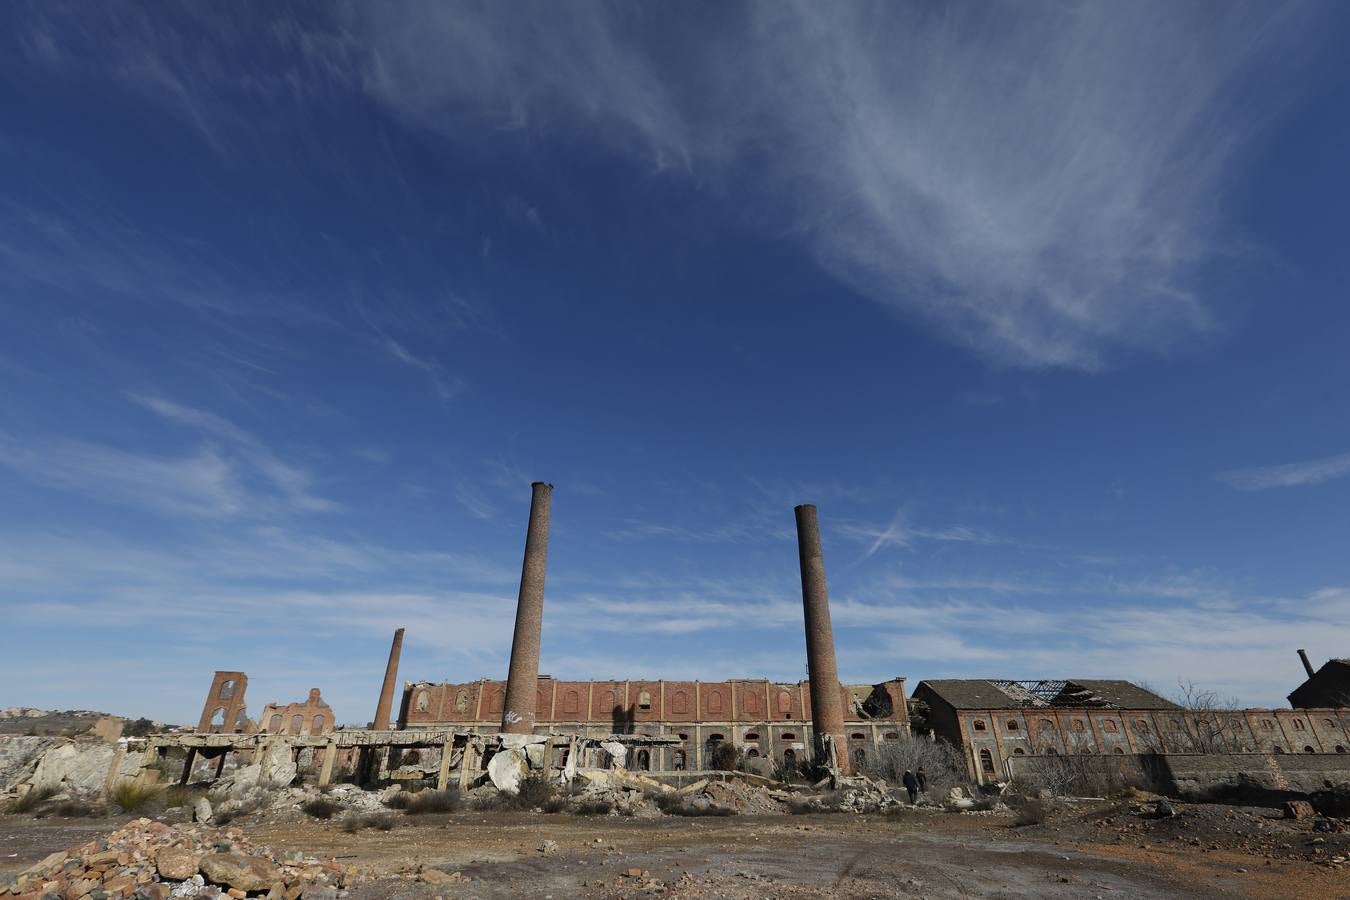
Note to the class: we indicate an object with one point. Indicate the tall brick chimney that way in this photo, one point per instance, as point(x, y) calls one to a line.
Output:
point(1303, 655)
point(827, 707)
point(386, 704)
point(522, 682)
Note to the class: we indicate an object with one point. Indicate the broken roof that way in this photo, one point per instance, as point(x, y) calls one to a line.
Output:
point(1077, 693)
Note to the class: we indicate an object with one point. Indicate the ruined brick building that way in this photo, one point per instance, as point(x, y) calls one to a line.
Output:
point(1327, 687)
point(760, 717)
point(996, 721)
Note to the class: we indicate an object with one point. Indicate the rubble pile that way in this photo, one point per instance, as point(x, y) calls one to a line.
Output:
point(148, 860)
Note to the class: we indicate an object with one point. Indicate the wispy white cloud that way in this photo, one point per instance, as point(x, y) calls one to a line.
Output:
point(1313, 471)
point(1007, 175)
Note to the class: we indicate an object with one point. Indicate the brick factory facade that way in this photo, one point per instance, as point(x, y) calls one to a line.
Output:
point(760, 717)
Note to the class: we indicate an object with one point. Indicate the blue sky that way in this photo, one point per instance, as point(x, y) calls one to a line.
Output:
point(1044, 306)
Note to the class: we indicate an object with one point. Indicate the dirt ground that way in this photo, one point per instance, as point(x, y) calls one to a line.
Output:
point(1091, 852)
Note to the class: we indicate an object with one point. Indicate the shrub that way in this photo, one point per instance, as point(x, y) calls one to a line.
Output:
point(351, 823)
point(31, 800)
point(425, 802)
point(555, 805)
point(139, 728)
point(725, 756)
point(181, 795)
point(675, 805)
point(378, 821)
point(534, 792)
point(132, 796)
point(829, 803)
point(76, 809)
point(320, 808)
point(1030, 810)
point(943, 763)
point(593, 808)
point(402, 800)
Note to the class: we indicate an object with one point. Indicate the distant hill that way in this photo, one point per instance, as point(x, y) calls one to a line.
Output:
point(68, 722)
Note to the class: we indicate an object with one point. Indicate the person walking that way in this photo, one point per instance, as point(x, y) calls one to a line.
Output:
point(922, 777)
point(912, 786)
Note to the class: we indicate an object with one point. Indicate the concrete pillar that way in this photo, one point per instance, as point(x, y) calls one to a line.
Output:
point(522, 681)
point(386, 704)
point(827, 708)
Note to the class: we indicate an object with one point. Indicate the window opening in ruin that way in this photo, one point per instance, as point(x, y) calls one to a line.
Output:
point(892, 735)
point(1328, 723)
point(423, 701)
point(752, 736)
point(1012, 724)
point(1018, 751)
point(789, 758)
point(316, 725)
point(462, 701)
point(297, 723)
point(644, 761)
point(226, 690)
point(1046, 723)
point(716, 739)
point(1298, 725)
point(1309, 750)
point(858, 736)
point(789, 736)
point(1278, 749)
point(752, 753)
point(683, 736)
point(859, 757)
point(1141, 726)
point(986, 762)
point(1109, 725)
point(1051, 751)
point(979, 724)
point(1076, 725)
point(1118, 751)
point(274, 723)
point(644, 700)
point(679, 761)
point(241, 721)
point(218, 717)
point(1267, 725)
point(1340, 749)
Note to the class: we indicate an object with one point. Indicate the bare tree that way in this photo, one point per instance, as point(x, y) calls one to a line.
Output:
point(1215, 724)
point(943, 763)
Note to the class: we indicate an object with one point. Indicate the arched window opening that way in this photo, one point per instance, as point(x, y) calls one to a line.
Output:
point(1109, 726)
point(986, 762)
point(572, 702)
point(751, 702)
point(1309, 749)
point(1267, 725)
point(1278, 749)
point(274, 723)
point(316, 725)
point(1018, 751)
point(715, 739)
point(1012, 725)
point(644, 761)
point(1118, 751)
point(1141, 726)
point(1328, 723)
point(789, 736)
point(678, 763)
point(857, 736)
point(1046, 723)
point(752, 753)
point(1077, 725)
point(1299, 726)
point(789, 758)
point(1051, 751)
point(1340, 749)
point(297, 723)
point(752, 735)
point(218, 717)
point(859, 758)
point(979, 725)
point(423, 701)
point(715, 702)
point(241, 721)
point(226, 690)
point(644, 700)
point(462, 701)
point(892, 735)
point(683, 736)
point(784, 703)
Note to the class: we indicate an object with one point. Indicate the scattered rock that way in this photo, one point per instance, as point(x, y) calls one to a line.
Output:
point(1164, 809)
point(1298, 809)
point(176, 863)
point(201, 810)
point(549, 848)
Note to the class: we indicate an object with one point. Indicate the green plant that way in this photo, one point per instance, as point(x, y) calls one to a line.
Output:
point(320, 808)
point(31, 800)
point(132, 795)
